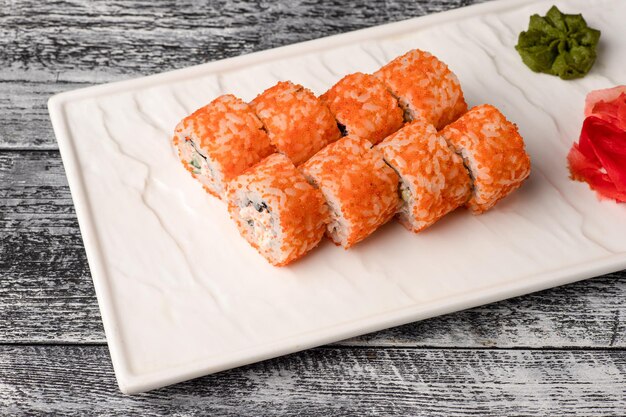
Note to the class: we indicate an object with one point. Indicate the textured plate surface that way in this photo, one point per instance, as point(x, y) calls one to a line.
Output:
point(182, 295)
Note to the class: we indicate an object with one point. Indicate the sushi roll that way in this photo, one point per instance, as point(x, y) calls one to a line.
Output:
point(433, 180)
point(297, 122)
point(276, 210)
point(219, 141)
point(363, 107)
point(493, 152)
point(359, 188)
point(425, 88)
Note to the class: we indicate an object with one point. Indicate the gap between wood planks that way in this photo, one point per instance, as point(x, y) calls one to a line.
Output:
point(17, 148)
point(356, 346)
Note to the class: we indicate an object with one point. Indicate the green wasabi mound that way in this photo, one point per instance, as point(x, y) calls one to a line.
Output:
point(559, 44)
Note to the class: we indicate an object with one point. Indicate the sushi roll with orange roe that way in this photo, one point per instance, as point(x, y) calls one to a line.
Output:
point(297, 122)
point(276, 210)
point(433, 180)
point(360, 189)
point(363, 107)
point(219, 141)
point(493, 151)
point(425, 88)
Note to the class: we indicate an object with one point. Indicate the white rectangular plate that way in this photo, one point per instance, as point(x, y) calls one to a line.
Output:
point(183, 295)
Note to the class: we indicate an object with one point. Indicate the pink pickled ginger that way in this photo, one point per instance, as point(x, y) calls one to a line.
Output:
point(599, 157)
point(608, 104)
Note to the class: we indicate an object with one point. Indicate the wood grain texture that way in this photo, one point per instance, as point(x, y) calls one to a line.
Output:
point(330, 381)
point(24, 120)
point(54, 46)
point(140, 36)
point(46, 293)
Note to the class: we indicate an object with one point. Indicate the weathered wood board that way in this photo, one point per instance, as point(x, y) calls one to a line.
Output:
point(330, 381)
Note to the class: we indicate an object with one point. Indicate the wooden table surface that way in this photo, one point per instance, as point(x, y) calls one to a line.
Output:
point(558, 352)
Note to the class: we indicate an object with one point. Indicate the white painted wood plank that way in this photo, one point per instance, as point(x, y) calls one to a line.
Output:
point(46, 293)
point(329, 381)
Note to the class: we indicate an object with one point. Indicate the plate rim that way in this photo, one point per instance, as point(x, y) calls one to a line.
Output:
point(132, 383)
